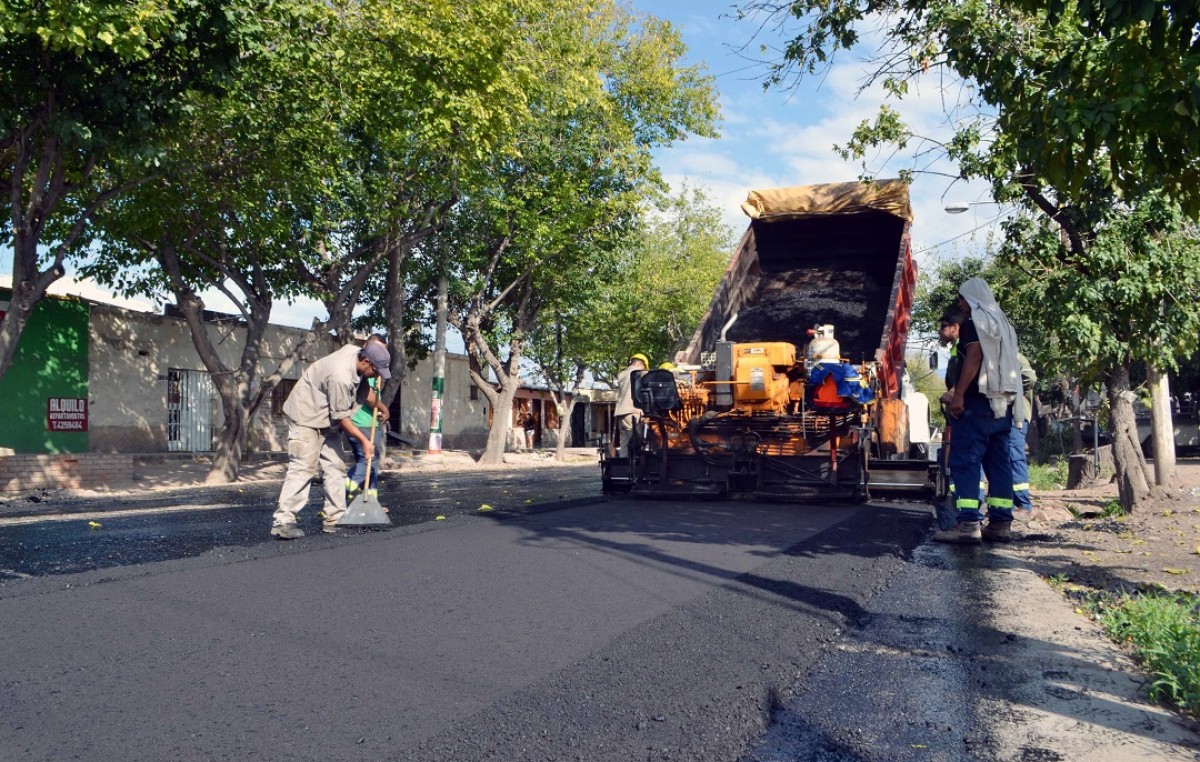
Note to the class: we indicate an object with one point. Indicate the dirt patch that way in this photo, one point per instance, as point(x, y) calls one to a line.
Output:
point(1159, 546)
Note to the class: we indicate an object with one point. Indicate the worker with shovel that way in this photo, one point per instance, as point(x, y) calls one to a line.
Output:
point(319, 409)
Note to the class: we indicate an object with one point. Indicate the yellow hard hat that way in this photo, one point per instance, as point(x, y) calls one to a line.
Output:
point(639, 356)
point(667, 366)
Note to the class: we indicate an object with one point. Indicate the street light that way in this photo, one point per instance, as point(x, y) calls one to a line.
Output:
point(958, 207)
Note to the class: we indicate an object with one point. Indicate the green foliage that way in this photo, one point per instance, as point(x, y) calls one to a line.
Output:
point(543, 228)
point(1131, 296)
point(937, 289)
point(1048, 477)
point(1164, 632)
point(1112, 510)
point(1112, 102)
point(662, 284)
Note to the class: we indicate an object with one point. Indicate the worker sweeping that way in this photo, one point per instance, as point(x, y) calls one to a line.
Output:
point(319, 410)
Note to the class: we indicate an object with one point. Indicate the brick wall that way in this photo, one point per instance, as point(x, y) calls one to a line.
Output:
point(75, 471)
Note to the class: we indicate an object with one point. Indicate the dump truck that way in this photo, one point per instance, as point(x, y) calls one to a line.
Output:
point(792, 386)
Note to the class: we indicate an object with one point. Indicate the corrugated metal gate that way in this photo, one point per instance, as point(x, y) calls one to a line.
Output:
point(189, 410)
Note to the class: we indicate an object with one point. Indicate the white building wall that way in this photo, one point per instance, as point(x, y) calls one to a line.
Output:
point(129, 356)
point(464, 420)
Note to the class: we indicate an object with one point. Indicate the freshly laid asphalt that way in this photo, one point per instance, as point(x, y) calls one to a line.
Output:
point(556, 626)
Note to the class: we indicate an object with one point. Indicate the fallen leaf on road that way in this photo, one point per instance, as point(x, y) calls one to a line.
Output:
point(528, 500)
point(485, 507)
point(1176, 571)
point(94, 524)
point(440, 518)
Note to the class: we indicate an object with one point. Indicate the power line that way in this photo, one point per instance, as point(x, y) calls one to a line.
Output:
point(976, 229)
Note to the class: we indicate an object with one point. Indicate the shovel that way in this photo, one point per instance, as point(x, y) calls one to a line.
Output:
point(365, 509)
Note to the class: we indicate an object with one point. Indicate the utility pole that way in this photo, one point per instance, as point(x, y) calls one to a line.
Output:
point(439, 368)
point(1162, 428)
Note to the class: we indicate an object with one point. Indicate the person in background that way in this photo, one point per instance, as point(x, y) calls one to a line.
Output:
point(627, 414)
point(1016, 446)
point(530, 426)
point(319, 411)
point(371, 404)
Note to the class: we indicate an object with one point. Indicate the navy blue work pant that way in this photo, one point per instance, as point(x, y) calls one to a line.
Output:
point(1020, 467)
point(981, 439)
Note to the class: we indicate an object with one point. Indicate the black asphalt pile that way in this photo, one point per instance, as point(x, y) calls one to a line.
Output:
point(787, 306)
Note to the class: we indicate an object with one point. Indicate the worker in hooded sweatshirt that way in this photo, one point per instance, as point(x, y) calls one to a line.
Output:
point(988, 387)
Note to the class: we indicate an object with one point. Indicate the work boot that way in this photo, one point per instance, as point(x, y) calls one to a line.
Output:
point(962, 532)
point(998, 531)
point(287, 531)
point(331, 529)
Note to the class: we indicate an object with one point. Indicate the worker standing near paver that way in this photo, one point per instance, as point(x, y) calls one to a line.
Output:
point(982, 408)
point(627, 414)
point(319, 410)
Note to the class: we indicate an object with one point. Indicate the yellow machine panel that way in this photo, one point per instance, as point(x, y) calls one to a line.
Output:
point(760, 376)
point(780, 354)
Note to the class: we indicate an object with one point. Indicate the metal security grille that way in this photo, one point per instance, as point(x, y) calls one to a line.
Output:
point(189, 410)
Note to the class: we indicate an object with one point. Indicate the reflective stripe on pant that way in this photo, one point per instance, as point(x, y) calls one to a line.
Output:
point(310, 450)
point(1020, 467)
point(982, 440)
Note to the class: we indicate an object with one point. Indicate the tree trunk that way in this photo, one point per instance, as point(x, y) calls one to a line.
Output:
point(1162, 427)
point(564, 427)
point(497, 441)
point(28, 288)
point(13, 325)
point(1076, 421)
point(1133, 480)
point(227, 456)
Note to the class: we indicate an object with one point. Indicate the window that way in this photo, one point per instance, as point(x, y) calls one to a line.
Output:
point(474, 391)
point(280, 394)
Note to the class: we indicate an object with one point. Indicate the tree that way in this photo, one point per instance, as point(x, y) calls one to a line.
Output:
point(297, 182)
point(86, 84)
point(1131, 297)
point(1086, 92)
point(532, 222)
point(663, 284)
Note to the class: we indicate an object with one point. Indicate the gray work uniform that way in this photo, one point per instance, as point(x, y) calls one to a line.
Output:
point(626, 413)
point(324, 395)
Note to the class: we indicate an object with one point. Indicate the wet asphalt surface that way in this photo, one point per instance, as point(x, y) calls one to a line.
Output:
point(138, 528)
point(556, 626)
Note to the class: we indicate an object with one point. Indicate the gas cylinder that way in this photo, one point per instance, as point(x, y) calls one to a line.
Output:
point(822, 347)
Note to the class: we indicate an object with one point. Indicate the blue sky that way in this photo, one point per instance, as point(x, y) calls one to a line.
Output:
point(768, 139)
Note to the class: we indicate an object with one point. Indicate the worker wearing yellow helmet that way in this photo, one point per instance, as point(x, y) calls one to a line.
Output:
point(667, 366)
point(627, 415)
